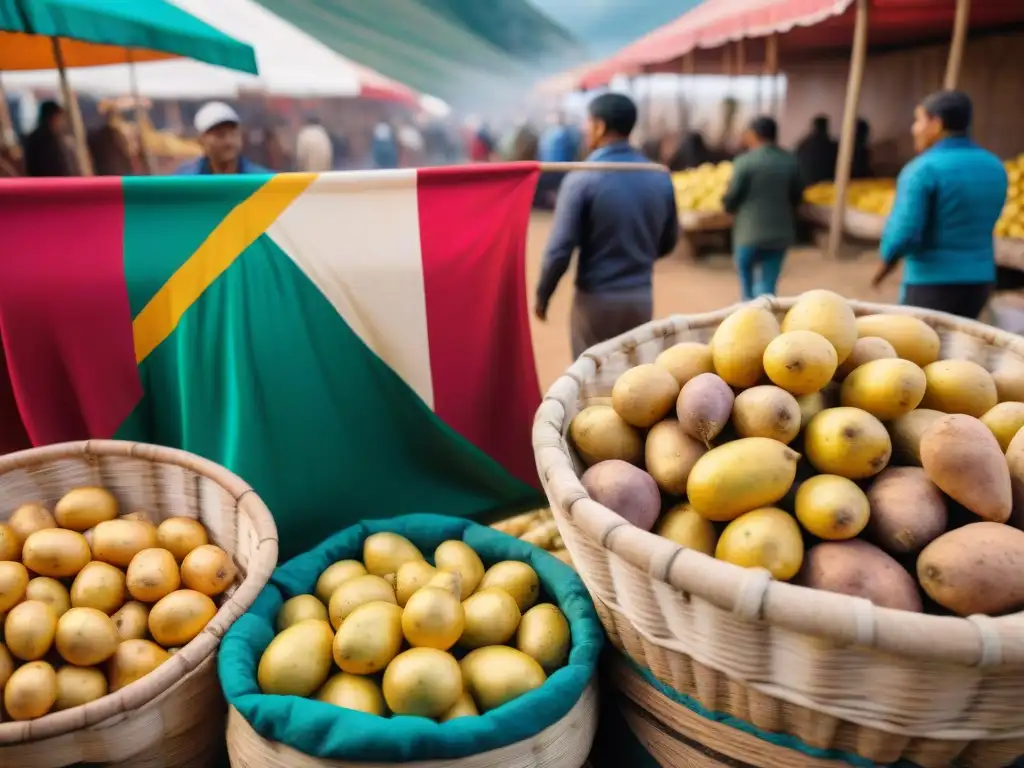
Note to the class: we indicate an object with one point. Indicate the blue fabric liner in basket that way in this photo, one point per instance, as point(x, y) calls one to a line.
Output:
point(330, 732)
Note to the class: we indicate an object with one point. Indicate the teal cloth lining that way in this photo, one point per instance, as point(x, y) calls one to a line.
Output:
point(330, 732)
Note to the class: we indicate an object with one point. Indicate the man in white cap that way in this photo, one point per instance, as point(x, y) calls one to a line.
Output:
point(221, 138)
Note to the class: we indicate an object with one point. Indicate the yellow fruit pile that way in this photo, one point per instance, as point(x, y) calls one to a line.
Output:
point(1011, 222)
point(389, 625)
point(93, 601)
point(537, 528)
point(702, 188)
point(872, 196)
point(836, 450)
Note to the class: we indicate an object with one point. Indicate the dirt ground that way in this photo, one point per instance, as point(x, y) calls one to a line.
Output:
point(682, 285)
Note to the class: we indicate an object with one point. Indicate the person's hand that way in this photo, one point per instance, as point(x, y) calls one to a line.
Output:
point(540, 312)
point(879, 277)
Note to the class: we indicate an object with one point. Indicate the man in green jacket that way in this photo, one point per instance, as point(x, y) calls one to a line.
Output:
point(763, 195)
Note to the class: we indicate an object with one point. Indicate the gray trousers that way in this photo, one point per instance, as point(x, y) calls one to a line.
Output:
point(599, 317)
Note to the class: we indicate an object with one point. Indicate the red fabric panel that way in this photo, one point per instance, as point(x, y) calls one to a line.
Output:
point(65, 322)
point(473, 223)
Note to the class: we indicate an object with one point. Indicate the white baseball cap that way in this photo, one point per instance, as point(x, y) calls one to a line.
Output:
point(212, 114)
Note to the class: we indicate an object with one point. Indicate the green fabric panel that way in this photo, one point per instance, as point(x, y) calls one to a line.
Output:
point(154, 25)
point(326, 731)
point(167, 218)
point(11, 17)
point(263, 376)
point(431, 49)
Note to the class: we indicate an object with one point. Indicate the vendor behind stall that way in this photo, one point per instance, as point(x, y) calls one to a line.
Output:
point(220, 135)
point(948, 200)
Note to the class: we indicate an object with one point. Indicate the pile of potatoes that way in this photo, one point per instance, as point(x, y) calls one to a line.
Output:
point(395, 633)
point(92, 601)
point(836, 451)
point(538, 528)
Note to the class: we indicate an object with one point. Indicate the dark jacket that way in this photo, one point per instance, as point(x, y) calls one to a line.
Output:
point(46, 154)
point(620, 221)
point(816, 154)
point(764, 194)
point(201, 167)
point(948, 200)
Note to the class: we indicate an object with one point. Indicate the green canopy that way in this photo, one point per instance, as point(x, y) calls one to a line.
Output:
point(95, 32)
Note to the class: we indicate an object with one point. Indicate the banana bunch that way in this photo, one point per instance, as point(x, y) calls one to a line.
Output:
point(702, 189)
point(1011, 222)
point(872, 196)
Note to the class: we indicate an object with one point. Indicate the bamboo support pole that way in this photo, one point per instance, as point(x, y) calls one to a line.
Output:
point(771, 68)
point(73, 110)
point(846, 138)
point(140, 115)
point(961, 25)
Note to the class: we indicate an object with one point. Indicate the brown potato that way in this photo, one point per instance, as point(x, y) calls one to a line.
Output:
point(624, 489)
point(767, 411)
point(598, 433)
point(704, 406)
point(860, 569)
point(978, 568)
point(907, 510)
point(670, 454)
point(905, 432)
point(1008, 374)
point(962, 457)
point(865, 349)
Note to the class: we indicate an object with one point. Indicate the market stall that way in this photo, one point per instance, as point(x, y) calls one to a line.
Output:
point(59, 34)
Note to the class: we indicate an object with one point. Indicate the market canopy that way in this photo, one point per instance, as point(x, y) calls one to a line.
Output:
point(99, 32)
point(805, 28)
point(291, 63)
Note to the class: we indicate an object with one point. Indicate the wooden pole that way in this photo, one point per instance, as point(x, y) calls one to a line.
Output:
point(771, 68)
point(846, 138)
point(140, 115)
point(961, 23)
point(74, 112)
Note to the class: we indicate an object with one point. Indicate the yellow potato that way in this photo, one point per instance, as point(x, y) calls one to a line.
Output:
point(132, 660)
point(832, 507)
point(356, 592)
point(864, 351)
point(31, 691)
point(433, 618)
point(384, 553)
point(825, 313)
point(13, 583)
point(422, 681)
point(77, 686)
point(685, 361)
point(516, 578)
point(208, 569)
point(764, 538)
point(491, 618)
point(464, 706)
point(458, 556)
point(86, 637)
point(353, 692)
point(801, 362)
point(959, 386)
point(132, 621)
point(179, 617)
point(913, 339)
point(10, 546)
point(848, 442)
point(412, 576)
point(497, 674)
point(643, 395)
point(1004, 420)
point(598, 433)
point(180, 535)
point(29, 629)
point(99, 585)
point(739, 343)
point(55, 552)
point(298, 661)
point(118, 541)
point(369, 638)
point(887, 388)
point(300, 608)
point(29, 518)
point(6, 665)
point(685, 527)
point(543, 635)
point(740, 476)
point(83, 508)
point(336, 575)
point(767, 411)
point(152, 575)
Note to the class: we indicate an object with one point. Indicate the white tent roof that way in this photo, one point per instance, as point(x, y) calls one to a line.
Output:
point(291, 63)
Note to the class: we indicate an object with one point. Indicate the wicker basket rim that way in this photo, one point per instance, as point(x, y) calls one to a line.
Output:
point(751, 593)
point(186, 661)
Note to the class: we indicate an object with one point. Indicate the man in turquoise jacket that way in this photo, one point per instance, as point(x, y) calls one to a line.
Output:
point(948, 200)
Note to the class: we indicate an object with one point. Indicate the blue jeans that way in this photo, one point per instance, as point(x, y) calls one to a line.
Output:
point(759, 269)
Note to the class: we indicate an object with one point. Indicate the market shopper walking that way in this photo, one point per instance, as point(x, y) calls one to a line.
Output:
point(948, 200)
point(763, 195)
point(220, 135)
point(620, 222)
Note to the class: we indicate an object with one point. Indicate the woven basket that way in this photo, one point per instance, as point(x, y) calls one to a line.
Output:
point(174, 716)
point(565, 744)
point(833, 670)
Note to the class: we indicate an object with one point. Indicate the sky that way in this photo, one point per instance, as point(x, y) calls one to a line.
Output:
point(604, 26)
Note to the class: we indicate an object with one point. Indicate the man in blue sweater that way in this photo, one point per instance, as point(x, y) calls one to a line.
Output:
point(620, 221)
point(948, 200)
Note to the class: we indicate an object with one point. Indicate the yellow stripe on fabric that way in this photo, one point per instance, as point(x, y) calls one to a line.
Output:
point(239, 229)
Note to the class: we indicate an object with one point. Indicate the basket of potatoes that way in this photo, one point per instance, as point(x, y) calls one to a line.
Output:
point(806, 513)
point(420, 640)
point(121, 567)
